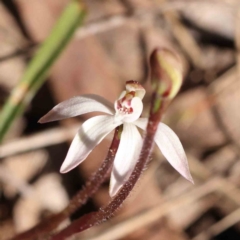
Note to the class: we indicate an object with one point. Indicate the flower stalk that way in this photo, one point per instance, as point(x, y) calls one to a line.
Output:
point(43, 229)
point(131, 153)
point(166, 81)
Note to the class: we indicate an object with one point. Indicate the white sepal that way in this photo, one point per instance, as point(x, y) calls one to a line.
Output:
point(170, 146)
point(77, 106)
point(126, 157)
point(141, 123)
point(172, 149)
point(89, 135)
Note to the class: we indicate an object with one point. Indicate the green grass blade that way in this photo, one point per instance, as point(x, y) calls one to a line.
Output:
point(38, 68)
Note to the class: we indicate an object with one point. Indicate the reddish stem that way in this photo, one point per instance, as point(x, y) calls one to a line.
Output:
point(43, 229)
point(162, 85)
point(105, 213)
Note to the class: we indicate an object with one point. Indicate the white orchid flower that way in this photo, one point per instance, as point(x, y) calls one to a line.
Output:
point(127, 110)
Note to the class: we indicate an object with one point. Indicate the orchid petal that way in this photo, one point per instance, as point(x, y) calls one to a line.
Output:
point(137, 106)
point(170, 146)
point(172, 149)
point(141, 123)
point(126, 157)
point(136, 87)
point(89, 135)
point(77, 106)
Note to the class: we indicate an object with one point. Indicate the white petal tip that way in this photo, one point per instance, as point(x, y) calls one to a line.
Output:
point(189, 178)
point(114, 186)
point(41, 120)
point(65, 169)
point(111, 194)
point(46, 118)
point(113, 191)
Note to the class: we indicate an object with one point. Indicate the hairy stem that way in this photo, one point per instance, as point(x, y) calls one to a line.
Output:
point(166, 79)
point(105, 213)
point(43, 229)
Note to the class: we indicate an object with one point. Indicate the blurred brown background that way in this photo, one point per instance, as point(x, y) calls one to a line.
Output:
point(114, 46)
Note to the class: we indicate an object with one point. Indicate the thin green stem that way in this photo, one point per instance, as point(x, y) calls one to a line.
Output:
point(38, 69)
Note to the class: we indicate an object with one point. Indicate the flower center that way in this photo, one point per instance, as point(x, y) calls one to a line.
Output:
point(123, 104)
point(129, 106)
